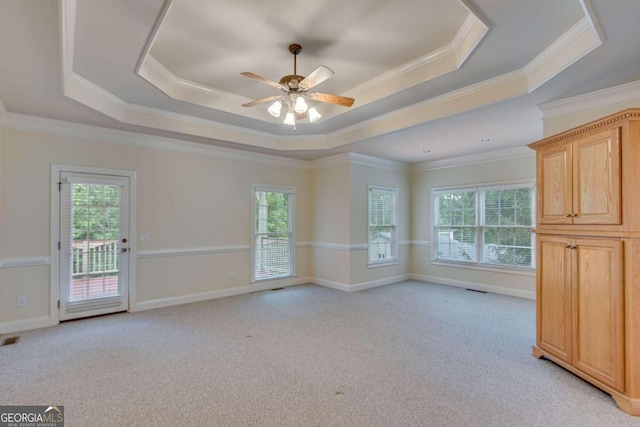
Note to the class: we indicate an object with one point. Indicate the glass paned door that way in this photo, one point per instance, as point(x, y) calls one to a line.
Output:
point(93, 245)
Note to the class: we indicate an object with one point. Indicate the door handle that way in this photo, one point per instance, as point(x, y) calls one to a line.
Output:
point(123, 250)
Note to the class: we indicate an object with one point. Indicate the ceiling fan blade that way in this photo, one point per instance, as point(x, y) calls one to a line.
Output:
point(262, 79)
point(261, 101)
point(332, 99)
point(319, 75)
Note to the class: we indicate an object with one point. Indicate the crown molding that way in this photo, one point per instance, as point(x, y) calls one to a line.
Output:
point(67, 16)
point(410, 74)
point(335, 160)
point(471, 159)
point(581, 39)
point(609, 97)
point(359, 159)
point(497, 89)
point(591, 16)
point(116, 136)
point(574, 44)
point(468, 38)
point(158, 67)
point(476, 12)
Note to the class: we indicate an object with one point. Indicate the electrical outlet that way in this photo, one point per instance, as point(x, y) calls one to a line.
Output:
point(344, 271)
point(144, 239)
point(22, 301)
point(232, 275)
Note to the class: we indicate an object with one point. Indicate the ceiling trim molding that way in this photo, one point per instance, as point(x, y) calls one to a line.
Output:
point(166, 7)
point(476, 12)
point(187, 91)
point(326, 162)
point(92, 95)
point(361, 159)
point(358, 159)
point(135, 139)
point(420, 70)
point(577, 42)
point(496, 89)
point(609, 97)
point(472, 159)
point(67, 16)
point(574, 44)
point(591, 16)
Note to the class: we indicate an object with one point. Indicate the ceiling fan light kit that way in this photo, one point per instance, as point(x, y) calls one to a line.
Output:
point(295, 95)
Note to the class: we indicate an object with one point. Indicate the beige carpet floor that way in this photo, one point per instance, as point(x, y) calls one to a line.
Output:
point(408, 354)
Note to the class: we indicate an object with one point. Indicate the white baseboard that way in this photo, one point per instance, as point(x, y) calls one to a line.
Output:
point(26, 324)
point(219, 293)
point(329, 284)
point(475, 286)
point(186, 299)
point(358, 286)
point(379, 282)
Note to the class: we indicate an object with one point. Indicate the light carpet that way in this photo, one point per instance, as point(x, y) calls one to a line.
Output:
point(407, 354)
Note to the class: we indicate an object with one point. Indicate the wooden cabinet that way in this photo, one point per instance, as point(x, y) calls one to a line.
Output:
point(588, 254)
point(580, 180)
point(555, 299)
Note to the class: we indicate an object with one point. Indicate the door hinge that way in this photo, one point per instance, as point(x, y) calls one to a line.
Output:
point(60, 186)
point(58, 303)
point(58, 245)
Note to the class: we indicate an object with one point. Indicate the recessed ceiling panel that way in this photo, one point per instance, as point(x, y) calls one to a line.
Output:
point(211, 43)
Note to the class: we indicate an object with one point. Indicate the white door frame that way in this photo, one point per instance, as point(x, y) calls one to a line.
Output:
point(54, 268)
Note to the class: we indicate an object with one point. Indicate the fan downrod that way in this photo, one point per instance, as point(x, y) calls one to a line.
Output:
point(291, 81)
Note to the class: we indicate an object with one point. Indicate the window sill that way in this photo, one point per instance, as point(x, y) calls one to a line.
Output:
point(383, 263)
point(523, 271)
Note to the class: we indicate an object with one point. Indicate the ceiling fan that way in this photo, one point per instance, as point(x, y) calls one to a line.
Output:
point(296, 93)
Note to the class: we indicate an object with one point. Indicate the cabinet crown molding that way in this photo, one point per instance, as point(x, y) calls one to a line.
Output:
point(629, 113)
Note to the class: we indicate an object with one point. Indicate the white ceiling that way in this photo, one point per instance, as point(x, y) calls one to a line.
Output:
point(434, 76)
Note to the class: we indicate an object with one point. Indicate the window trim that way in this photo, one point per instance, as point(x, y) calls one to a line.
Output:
point(478, 188)
point(389, 261)
point(292, 226)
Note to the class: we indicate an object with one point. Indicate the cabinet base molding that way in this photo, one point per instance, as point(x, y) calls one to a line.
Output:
point(627, 404)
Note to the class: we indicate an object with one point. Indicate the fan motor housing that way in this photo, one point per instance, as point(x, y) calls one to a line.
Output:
point(291, 81)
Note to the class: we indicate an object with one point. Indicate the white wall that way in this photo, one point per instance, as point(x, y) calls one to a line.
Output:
point(192, 201)
point(330, 223)
point(422, 183)
point(361, 177)
point(184, 201)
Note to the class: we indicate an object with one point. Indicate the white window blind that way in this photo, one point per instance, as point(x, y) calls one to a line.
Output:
point(485, 225)
point(383, 239)
point(273, 233)
point(93, 221)
point(456, 220)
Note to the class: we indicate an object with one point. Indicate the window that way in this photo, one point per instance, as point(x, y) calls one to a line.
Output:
point(383, 238)
point(272, 232)
point(485, 225)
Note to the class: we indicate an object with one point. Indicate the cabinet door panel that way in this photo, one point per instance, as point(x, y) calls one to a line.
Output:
point(554, 296)
point(597, 179)
point(598, 315)
point(555, 185)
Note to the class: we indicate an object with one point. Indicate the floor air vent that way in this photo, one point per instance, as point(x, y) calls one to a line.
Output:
point(9, 341)
point(277, 289)
point(475, 290)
